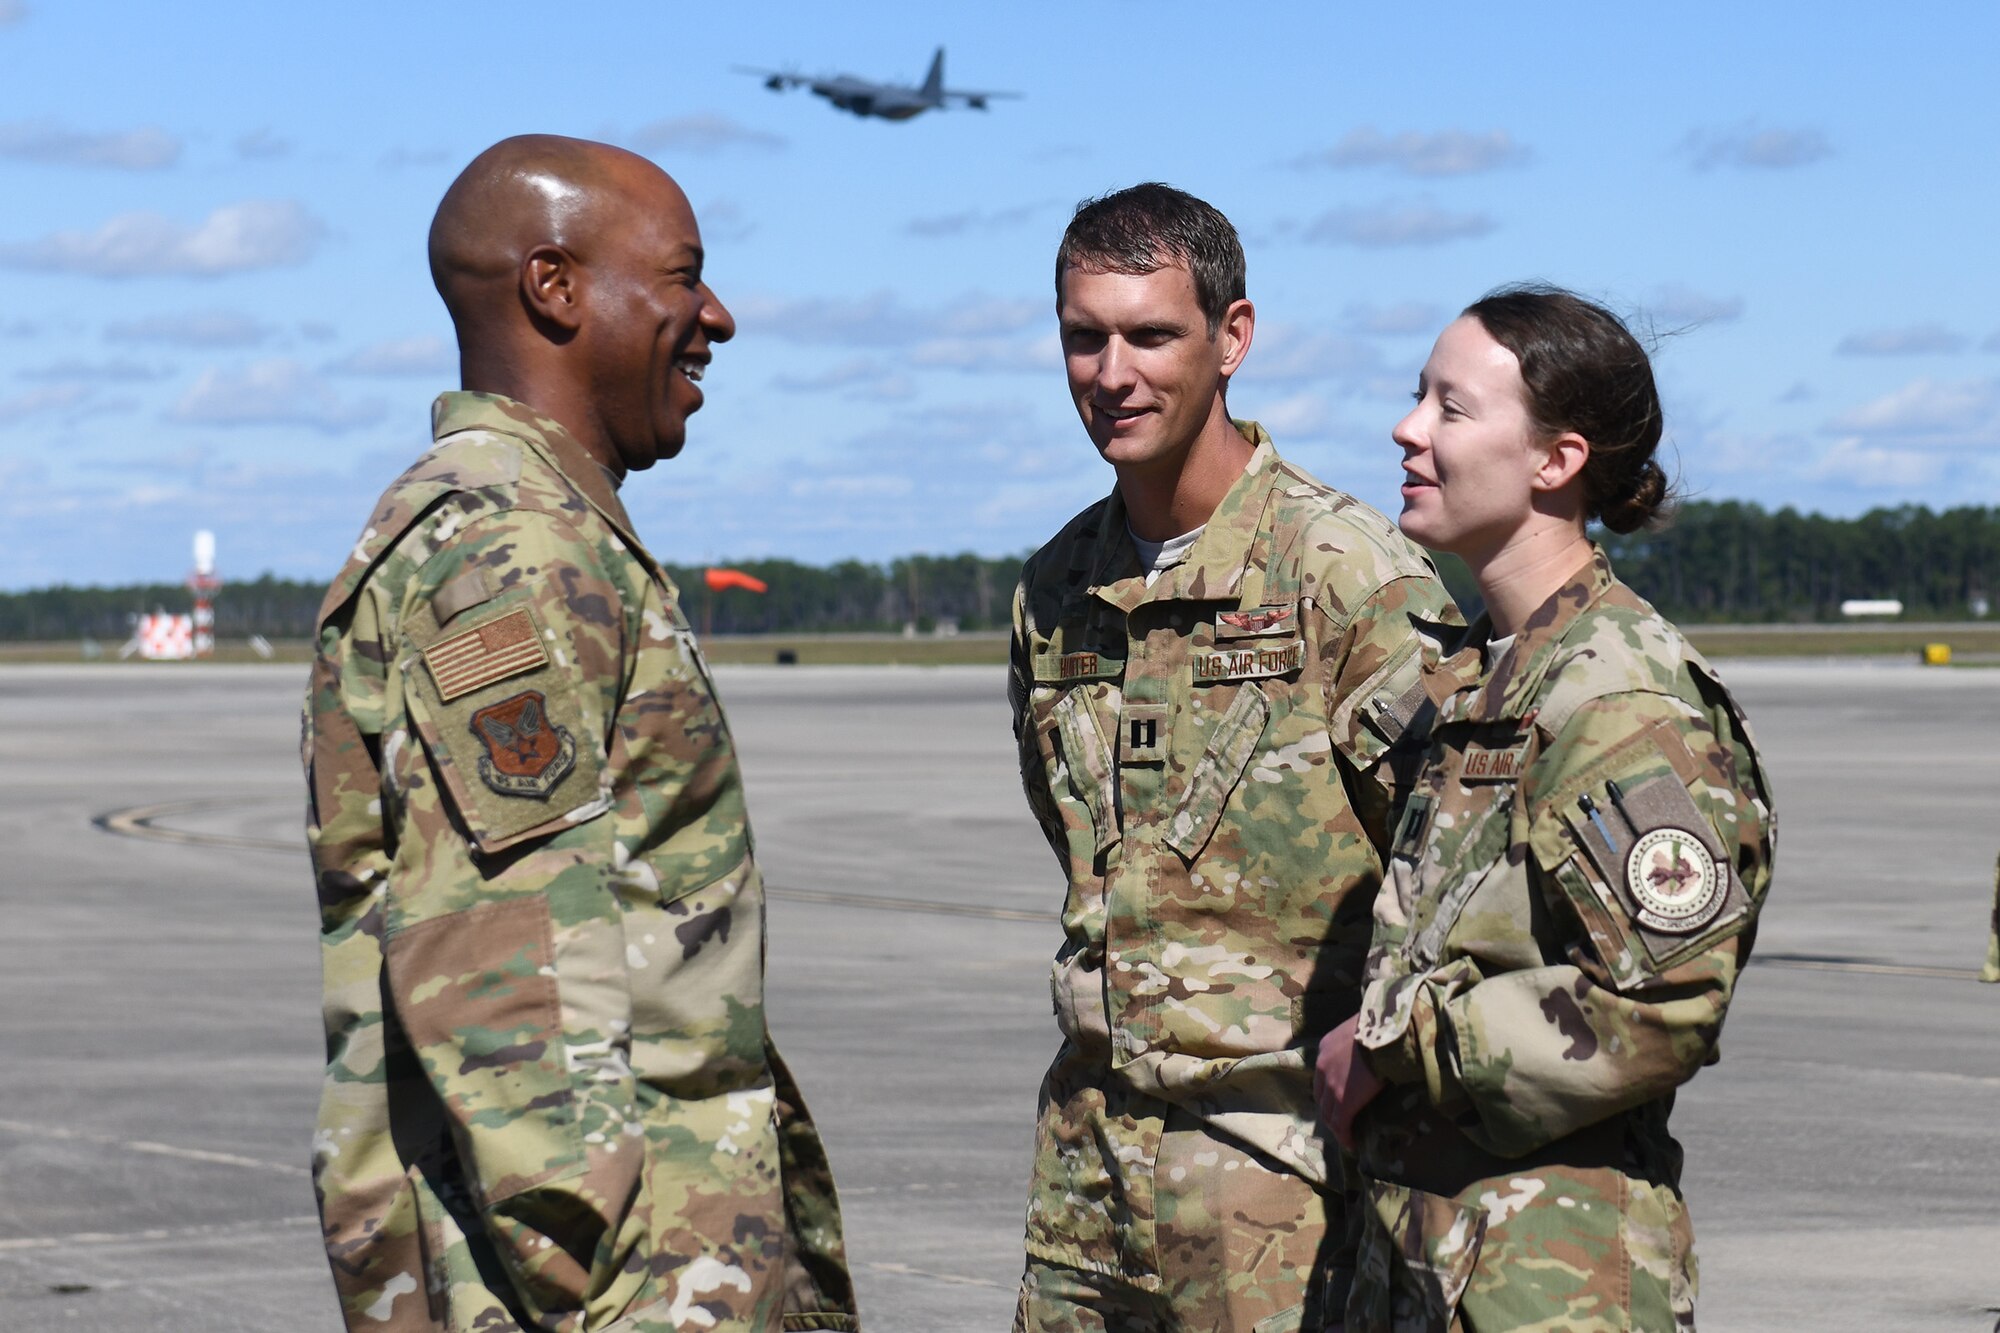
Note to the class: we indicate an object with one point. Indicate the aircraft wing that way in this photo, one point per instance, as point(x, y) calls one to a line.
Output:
point(977, 100)
point(775, 79)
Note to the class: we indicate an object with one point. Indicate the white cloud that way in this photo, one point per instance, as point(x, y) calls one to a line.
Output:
point(859, 377)
point(1677, 306)
point(427, 355)
point(271, 393)
point(989, 355)
point(1288, 354)
point(1752, 146)
point(725, 220)
point(1445, 153)
point(1913, 340)
point(704, 133)
point(1393, 224)
point(12, 11)
point(1402, 319)
point(1964, 413)
point(261, 233)
point(52, 398)
point(398, 158)
point(262, 145)
point(48, 142)
point(1861, 466)
point(1301, 416)
point(92, 372)
point(973, 220)
point(882, 320)
point(197, 328)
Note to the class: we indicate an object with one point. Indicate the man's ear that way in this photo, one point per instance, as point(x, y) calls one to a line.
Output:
point(552, 285)
point(1239, 325)
point(1562, 461)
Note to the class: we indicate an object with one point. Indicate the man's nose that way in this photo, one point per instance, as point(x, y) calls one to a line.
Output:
point(716, 320)
point(1117, 368)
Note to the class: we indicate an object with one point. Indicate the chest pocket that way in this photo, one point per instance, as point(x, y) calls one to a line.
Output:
point(1090, 765)
point(1217, 772)
point(1462, 841)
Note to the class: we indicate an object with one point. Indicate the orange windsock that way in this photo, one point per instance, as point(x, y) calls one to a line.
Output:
point(718, 579)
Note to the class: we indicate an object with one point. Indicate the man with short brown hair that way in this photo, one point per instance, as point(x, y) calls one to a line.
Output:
point(1212, 671)
point(551, 1101)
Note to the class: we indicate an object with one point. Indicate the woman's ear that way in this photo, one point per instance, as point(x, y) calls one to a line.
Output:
point(1562, 461)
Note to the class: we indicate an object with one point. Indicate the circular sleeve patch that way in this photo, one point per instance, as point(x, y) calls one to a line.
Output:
point(1675, 882)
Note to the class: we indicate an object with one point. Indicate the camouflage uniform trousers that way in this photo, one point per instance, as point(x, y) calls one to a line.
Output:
point(1238, 1244)
point(1548, 1245)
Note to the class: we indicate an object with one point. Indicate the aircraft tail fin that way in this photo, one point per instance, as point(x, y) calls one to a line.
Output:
point(933, 89)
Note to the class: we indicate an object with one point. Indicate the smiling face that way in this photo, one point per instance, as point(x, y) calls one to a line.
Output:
point(651, 321)
point(1144, 371)
point(1470, 449)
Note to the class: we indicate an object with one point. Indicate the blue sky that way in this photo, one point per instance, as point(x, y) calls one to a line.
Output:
point(216, 310)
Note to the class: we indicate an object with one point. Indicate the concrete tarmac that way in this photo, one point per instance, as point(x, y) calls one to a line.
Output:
point(159, 997)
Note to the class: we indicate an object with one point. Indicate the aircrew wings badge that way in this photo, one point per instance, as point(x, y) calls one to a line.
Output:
point(527, 754)
point(1261, 620)
point(1674, 881)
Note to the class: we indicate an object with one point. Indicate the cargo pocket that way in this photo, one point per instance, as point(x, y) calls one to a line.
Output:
point(1217, 772)
point(476, 993)
point(1417, 1255)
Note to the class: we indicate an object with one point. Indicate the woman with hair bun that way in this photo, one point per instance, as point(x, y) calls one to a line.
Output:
point(1575, 877)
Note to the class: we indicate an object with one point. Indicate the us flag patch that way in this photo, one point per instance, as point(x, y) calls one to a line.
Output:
point(486, 653)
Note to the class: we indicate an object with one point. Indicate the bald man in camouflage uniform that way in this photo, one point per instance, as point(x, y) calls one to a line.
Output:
point(1207, 745)
point(551, 1101)
point(1573, 895)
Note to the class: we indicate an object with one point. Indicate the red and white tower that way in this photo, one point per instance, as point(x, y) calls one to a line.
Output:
point(203, 584)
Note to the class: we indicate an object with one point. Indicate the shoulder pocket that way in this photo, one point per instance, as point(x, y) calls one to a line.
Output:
point(1374, 717)
point(1642, 865)
point(494, 704)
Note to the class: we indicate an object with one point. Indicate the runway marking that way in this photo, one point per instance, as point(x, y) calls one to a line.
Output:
point(142, 821)
point(149, 1235)
point(139, 821)
point(1809, 963)
point(904, 1270)
point(149, 1147)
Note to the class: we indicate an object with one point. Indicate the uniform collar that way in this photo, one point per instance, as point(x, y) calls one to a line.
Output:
point(548, 438)
point(1223, 563)
point(1510, 687)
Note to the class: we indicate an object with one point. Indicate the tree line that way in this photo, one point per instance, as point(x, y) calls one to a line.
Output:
point(1716, 561)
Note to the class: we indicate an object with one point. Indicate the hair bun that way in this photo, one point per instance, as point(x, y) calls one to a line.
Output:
point(1641, 504)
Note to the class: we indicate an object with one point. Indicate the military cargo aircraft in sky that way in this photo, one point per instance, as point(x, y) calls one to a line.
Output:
point(888, 101)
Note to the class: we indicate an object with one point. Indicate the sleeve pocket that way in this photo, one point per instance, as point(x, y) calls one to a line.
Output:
point(515, 752)
point(1217, 772)
point(1643, 868)
point(476, 993)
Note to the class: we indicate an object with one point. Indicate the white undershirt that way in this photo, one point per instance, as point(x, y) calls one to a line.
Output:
point(1497, 648)
point(1159, 557)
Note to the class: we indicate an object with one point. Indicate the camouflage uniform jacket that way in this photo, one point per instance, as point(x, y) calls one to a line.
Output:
point(550, 1098)
point(1573, 890)
point(1209, 759)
